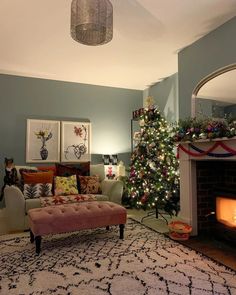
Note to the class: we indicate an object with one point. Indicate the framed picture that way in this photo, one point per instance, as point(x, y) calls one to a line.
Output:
point(75, 141)
point(42, 141)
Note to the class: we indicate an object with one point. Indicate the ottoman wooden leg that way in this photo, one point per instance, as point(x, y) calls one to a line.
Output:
point(31, 237)
point(38, 244)
point(107, 227)
point(122, 226)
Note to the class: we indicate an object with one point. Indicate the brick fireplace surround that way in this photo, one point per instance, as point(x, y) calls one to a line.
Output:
point(200, 180)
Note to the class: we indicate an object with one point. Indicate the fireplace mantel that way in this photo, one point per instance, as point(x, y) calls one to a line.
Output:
point(188, 155)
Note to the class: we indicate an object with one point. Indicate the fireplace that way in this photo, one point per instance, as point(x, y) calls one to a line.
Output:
point(226, 219)
point(204, 184)
point(215, 193)
point(226, 211)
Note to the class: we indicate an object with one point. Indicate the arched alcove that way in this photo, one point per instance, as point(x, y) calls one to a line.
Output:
point(215, 95)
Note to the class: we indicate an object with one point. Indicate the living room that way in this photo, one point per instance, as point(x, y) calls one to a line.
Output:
point(39, 93)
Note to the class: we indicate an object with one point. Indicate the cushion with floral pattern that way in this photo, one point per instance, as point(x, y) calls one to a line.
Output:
point(60, 200)
point(89, 185)
point(65, 185)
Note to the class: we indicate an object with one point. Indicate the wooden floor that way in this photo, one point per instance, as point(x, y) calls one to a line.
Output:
point(216, 249)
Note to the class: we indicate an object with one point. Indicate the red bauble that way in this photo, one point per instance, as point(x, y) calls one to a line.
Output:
point(144, 199)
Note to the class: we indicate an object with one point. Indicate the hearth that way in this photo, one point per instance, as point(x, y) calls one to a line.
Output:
point(216, 199)
point(215, 186)
point(204, 176)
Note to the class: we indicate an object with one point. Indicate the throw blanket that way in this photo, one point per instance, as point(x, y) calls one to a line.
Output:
point(59, 200)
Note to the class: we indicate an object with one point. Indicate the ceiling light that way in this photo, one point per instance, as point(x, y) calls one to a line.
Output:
point(91, 21)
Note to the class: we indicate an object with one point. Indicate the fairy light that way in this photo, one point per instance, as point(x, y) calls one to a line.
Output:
point(155, 167)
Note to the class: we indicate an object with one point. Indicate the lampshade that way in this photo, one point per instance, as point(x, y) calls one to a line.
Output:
point(91, 21)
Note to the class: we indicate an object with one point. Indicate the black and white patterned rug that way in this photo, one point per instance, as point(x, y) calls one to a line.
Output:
point(96, 262)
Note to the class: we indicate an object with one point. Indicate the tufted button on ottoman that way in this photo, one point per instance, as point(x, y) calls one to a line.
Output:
point(73, 217)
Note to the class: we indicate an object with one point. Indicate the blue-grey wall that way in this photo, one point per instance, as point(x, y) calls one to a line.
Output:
point(230, 111)
point(109, 110)
point(212, 108)
point(203, 107)
point(165, 95)
point(215, 50)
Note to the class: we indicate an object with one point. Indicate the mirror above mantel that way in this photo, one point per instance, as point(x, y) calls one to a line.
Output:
point(215, 95)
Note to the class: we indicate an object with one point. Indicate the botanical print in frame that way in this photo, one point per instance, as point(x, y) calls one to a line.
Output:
point(75, 141)
point(42, 141)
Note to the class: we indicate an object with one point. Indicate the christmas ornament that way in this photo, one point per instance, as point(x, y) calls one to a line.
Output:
point(203, 135)
point(141, 123)
point(149, 102)
point(153, 169)
point(152, 145)
point(152, 165)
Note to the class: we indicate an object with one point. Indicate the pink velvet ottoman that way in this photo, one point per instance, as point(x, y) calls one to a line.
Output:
point(73, 217)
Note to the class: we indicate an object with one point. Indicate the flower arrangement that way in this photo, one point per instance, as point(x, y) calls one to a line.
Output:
point(43, 135)
point(80, 130)
point(192, 129)
point(78, 149)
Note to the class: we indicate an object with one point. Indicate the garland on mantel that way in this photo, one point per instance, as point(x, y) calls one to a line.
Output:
point(200, 153)
point(192, 129)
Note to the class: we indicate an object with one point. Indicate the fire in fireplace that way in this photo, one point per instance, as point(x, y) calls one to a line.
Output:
point(226, 211)
point(226, 218)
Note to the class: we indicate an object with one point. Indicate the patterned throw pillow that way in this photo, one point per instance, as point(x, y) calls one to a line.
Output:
point(21, 179)
point(65, 185)
point(73, 169)
point(49, 168)
point(90, 185)
point(60, 200)
point(36, 190)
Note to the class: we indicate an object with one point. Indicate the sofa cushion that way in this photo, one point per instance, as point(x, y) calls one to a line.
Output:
point(98, 170)
point(89, 185)
point(66, 185)
point(59, 200)
point(20, 171)
point(36, 190)
point(101, 197)
point(38, 177)
point(75, 169)
point(48, 168)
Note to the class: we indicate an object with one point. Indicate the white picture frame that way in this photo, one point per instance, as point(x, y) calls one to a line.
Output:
point(75, 141)
point(42, 141)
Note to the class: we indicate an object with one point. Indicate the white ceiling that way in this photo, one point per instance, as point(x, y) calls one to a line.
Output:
point(35, 40)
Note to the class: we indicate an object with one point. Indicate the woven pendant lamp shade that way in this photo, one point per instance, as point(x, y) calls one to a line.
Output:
point(92, 21)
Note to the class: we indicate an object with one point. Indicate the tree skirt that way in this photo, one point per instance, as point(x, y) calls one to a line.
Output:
point(97, 262)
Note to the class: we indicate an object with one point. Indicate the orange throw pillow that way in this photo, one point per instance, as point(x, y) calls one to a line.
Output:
point(47, 168)
point(39, 177)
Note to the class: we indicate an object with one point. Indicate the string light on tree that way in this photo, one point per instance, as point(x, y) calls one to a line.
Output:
point(154, 178)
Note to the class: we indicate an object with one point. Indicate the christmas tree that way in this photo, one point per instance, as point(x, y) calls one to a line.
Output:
point(153, 180)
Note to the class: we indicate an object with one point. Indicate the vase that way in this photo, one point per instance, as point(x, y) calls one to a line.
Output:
point(43, 153)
